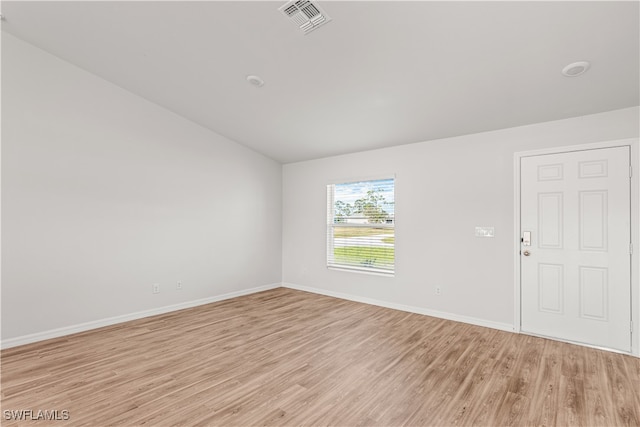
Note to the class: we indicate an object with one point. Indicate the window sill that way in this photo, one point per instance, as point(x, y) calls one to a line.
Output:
point(362, 271)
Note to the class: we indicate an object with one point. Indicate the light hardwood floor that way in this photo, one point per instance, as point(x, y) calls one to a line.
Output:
point(286, 357)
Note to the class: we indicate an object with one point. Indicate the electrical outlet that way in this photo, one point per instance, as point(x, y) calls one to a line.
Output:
point(438, 290)
point(155, 288)
point(178, 285)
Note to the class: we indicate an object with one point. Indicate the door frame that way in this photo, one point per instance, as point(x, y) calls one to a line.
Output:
point(634, 145)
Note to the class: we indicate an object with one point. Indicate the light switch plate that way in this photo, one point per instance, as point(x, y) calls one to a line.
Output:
point(485, 231)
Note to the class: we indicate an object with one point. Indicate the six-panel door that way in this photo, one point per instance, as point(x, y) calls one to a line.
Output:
point(576, 281)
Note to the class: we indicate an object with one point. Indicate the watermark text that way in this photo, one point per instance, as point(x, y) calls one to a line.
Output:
point(36, 415)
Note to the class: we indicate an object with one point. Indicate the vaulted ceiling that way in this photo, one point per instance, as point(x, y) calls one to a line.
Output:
point(381, 73)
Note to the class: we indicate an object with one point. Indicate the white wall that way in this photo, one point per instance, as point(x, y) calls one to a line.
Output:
point(104, 194)
point(444, 189)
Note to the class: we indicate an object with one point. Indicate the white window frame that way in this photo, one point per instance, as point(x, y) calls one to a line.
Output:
point(331, 225)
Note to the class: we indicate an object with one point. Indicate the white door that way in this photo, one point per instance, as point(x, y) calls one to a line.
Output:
point(576, 271)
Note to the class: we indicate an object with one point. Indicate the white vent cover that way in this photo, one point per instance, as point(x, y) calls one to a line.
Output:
point(305, 14)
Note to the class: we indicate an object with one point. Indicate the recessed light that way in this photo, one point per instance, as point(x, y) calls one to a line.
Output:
point(255, 80)
point(576, 69)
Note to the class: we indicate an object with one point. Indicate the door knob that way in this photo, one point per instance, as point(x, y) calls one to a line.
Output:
point(526, 253)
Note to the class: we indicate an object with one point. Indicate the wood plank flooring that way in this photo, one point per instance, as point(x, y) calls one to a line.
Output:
point(285, 357)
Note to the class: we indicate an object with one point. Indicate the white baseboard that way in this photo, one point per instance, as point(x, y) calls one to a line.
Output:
point(82, 327)
point(411, 309)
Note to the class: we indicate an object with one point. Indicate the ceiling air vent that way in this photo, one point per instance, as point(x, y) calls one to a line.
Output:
point(306, 15)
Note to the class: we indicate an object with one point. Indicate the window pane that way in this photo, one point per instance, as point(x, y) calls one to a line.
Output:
point(360, 225)
point(364, 247)
point(367, 202)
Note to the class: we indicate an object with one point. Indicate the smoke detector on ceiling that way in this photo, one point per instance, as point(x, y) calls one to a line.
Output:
point(305, 14)
point(576, 69)
point(255, 80)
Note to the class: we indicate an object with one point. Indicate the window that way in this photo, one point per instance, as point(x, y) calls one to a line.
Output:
point(361, 226)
